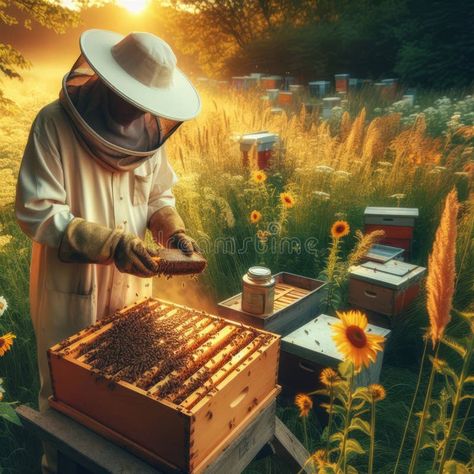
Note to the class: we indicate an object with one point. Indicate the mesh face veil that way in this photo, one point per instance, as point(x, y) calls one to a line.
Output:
point(85, 97)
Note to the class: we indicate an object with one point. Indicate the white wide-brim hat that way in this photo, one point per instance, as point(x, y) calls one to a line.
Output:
point(141, 68)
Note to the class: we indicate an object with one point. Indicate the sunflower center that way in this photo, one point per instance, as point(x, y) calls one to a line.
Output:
point(356, 336)
point(2, 342)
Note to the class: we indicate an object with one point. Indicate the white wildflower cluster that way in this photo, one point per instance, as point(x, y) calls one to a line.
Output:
point(444, 116)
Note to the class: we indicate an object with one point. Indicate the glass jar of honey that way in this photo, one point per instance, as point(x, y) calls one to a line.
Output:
point(258, 291)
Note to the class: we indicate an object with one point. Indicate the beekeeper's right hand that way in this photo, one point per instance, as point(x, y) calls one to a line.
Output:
point(88, 242)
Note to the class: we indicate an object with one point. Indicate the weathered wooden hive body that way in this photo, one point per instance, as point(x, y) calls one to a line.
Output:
point(169, 383)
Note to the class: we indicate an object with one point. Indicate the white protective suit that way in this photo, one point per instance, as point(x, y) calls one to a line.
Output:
point(58, 181)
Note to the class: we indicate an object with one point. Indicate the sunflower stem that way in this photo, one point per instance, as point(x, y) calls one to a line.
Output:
point(410, 413)
point(372, 436)
point(424, 414)
point(457, 402)
point(305, 433)
point(347, 421)
point(331, 402)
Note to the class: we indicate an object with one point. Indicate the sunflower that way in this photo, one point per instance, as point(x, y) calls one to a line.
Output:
point(340, 229)
point(287, 200)
point(255, 216)
point(259, 176)
point(377, 392)
point(329, 377)
point(6, 342)
point(304, 404)
point(319, 457)
point(352, 340)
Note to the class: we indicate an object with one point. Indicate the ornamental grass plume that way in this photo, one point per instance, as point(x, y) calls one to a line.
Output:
point(442, 270)
point(364, 243)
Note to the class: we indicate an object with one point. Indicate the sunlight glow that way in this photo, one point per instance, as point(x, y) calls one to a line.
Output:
point(133, 6)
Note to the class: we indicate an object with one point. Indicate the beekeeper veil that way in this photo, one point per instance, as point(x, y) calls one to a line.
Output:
point(141, 69)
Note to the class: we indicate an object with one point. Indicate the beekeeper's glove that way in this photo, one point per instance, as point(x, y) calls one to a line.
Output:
point(88, 242)
point(168, 229)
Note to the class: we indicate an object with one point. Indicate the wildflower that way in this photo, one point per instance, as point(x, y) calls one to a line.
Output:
point(255, 217)
point(439, 365)
point(5, 240)
point(287, 200)
point(263, 235)
point(377, 392)
point(340, 229)
point(342, 174)
point(442, 269)
point(321, 194)
point(352, 340)
point(3, 305)
point(304, 404)
point(319, 457)
point(398, 196)
point(329, 377)
point(324, 169)
point(6, 342)
point(259, 176)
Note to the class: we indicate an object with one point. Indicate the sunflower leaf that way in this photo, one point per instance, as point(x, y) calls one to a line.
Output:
point(455, 467)
point(8, 413)
point(345, 369)
point(353, 446)
point(361, 425)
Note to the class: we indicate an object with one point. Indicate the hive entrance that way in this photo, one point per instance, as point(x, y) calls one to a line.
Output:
point(170, 352)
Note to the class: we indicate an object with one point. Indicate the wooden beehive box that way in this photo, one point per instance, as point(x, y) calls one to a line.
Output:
point(398, 224)
point(169, 383)
point(297, 299)
point(308, 350)
point(386, 288)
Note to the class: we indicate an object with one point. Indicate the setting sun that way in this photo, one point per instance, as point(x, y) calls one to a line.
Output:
point(133, 6)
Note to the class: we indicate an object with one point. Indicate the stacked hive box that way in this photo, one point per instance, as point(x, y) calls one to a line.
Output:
point(169, 383)
point(397, 222)
point(386, 288)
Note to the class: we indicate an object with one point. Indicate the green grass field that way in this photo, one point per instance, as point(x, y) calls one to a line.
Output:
point(371, 157)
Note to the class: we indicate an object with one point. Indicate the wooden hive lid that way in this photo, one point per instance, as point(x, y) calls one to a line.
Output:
point(313, 341)
point(383, 253)
point(392, 274)
point(392, 211)
point(259, 137)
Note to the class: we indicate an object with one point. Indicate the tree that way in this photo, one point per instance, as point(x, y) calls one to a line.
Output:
point(50, 14)
point(437, 43)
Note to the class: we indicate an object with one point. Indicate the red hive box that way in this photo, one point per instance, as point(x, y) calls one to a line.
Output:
point(398, 224)
point(264, 143)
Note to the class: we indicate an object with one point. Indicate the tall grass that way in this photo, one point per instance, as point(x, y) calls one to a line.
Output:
point(333, 169)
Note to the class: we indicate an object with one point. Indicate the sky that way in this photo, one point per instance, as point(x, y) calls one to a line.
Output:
point(44, 47)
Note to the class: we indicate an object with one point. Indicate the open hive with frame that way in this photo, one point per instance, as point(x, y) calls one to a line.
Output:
point(170, 383)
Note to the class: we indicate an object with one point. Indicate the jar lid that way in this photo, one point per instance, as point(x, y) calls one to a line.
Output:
point(259, 273)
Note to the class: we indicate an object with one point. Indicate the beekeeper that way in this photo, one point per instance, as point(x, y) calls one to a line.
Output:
point(94, 177)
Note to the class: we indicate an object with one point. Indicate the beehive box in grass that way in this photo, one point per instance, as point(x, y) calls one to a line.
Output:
point(169, 383)
point(398, 223)
point(297, 299)
point(308, 350)
point(385, 288)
